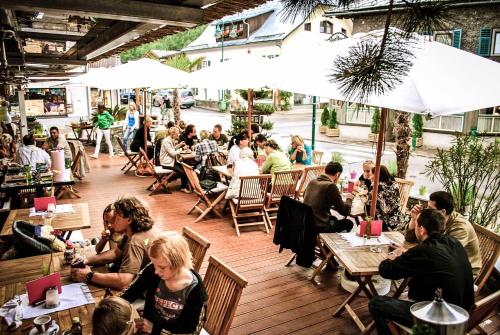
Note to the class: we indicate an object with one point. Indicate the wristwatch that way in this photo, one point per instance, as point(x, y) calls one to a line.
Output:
point(88, 277)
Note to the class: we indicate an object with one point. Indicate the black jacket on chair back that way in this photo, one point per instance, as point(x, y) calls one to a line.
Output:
point(296, 230)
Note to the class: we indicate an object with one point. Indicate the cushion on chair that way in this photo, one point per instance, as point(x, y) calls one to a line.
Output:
point(26, 242)
point(161, 170)
point(219, 188)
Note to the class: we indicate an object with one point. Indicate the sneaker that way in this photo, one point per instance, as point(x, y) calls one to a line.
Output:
point(111, 155)
point(94, 156)
point(185, 190)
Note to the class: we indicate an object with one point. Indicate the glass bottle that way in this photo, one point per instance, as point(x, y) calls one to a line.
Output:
point(27, 173)
point(368, 227)
point(76, 328)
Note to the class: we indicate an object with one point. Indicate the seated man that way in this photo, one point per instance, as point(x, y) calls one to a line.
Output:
point(204, 148)
point(439, 261)
point(189, 136)
point(133, 220)
point(57, 141)
point(455, 225)
point(322, 195)
point(218, 136)
point(29, 154)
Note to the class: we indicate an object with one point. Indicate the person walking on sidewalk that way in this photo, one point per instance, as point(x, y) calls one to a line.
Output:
point(104, 121)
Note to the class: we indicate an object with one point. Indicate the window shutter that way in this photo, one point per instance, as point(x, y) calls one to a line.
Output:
point(483, 48)
point(457, 38)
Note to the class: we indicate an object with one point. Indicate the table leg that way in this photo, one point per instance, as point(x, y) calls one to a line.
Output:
point(321, 265)
point(352, 296)
point(401, 288)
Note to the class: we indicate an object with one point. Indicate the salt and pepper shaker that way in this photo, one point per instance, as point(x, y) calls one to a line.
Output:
point(52, 297)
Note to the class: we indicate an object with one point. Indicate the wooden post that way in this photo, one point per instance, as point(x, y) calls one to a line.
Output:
point(144, 122)
point(380, 145)
point(250, 105)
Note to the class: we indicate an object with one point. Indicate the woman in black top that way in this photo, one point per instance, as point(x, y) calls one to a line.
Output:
point(175, 295)
point(366, 177)
point(138, 141)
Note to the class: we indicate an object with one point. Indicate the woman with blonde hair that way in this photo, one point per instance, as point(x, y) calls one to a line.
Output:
point(175, 295)
point(169, 151)
point(131, 123)
point(299, 151)
point(365, 180)
point(113, 316)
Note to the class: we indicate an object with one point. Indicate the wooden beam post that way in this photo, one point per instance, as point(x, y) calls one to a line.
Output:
point(250, 106)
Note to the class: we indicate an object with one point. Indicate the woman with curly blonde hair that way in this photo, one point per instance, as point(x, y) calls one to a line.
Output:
point(175, 295)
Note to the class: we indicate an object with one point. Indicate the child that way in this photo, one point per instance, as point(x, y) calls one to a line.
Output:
point(113, 316)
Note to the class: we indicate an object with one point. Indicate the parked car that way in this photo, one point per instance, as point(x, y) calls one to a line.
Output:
point(125, 97)
point(186, 96)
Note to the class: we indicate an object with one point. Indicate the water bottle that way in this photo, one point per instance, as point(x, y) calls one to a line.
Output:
point(27, 173)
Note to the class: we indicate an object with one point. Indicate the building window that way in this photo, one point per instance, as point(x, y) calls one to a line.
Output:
point(445, 37)
point(307, 26)
point(206, 63)
point(326, 27)
point(495, 48)
point(195, 91)
point(343, 31)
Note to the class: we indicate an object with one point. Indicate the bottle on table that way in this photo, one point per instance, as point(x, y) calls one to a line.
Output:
point(368, 227)
point(76, 328)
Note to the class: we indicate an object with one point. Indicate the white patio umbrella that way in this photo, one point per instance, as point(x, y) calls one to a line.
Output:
point(443, 80)
point(92, 78)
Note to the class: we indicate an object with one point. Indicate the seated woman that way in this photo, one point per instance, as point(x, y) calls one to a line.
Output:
point(388, 201)
point(138, 141)
point(113, 316)
point(299, 151)
point(276, 160)
point(245, 166)
point(365, 180)
point(168, 156)
point(175, 295)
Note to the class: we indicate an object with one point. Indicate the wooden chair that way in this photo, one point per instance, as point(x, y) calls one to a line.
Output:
point(133, 157)
point(198, 245)
point(161, 175)
point(74, 165)
point(284, 183)
point(404, 191)
point(317, 157)
point(69, 189)
point(489, 245)
point(224, 287)
point(250, 202)
point(204, 196)
point(309, 173)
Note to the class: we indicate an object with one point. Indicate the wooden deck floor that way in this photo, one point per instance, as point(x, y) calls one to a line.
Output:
point(278, 299)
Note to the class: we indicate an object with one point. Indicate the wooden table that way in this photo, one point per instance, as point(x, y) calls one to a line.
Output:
point(14, 183)
point(223, 169)
point(79, 219)
point(18, 271)
point(362, 264)
point(89, 130)
point(187, 156)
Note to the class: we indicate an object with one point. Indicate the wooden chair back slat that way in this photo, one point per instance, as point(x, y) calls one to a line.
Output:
point(284, 184)
point(482, 309)
point(224, 287)
point(489, 245)
point(193, 179)
point(198, 245)
point(317, 157)
point(76, 161)
point(253, 190)
point(310, 173)
point(404, 191)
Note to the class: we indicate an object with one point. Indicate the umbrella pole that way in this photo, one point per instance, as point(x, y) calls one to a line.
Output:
point(380, 143)
point(250, 104)
point(313, 142)
point(144, 122)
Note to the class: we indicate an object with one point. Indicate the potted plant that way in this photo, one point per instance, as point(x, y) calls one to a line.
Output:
point(325, 116)
point(375, 127)
point(422, 190)
point(337, 157)
point(418, 129)
point(333, 125)
point(267, 125)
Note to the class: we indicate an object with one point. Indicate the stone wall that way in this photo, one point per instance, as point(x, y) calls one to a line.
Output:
point(469, 19)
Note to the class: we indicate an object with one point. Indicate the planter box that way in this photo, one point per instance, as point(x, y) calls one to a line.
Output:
point(258, 119)
point(322, 129)
point(372, 137)
point(333, 132)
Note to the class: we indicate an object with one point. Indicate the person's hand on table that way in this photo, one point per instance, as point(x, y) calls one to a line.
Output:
point(80, 275)
point(396, 250)
point(349, 196)
point(143, 326)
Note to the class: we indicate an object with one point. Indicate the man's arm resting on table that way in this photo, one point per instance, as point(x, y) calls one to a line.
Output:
point(119, 281)
point(104, 258)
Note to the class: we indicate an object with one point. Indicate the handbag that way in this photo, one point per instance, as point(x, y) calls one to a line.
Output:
point(144, 169)
point(207, 184)
point(207, 173)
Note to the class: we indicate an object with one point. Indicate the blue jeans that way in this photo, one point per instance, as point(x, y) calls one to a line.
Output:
point(128, 133)
point(385, 308)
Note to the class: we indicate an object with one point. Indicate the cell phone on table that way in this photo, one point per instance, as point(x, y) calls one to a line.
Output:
point(393, 246)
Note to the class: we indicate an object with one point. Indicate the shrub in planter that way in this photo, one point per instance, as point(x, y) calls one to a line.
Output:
point(267, 125)
point(333, 125)
point(375, 126)
point(325, 116)
point(418, 128)
point(264, 109)
point(337, 158)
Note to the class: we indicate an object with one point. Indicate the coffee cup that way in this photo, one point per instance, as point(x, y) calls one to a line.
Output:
point(42, 323)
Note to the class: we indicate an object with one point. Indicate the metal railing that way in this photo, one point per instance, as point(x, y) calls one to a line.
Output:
point(489, 124)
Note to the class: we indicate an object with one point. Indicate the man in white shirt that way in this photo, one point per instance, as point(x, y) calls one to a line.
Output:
point(29, 154)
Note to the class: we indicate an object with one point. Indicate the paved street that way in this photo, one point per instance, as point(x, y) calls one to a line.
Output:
point(288, 124)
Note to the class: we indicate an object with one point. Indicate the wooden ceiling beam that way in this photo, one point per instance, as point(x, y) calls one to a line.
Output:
point(50, 35)
point(123, 10)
